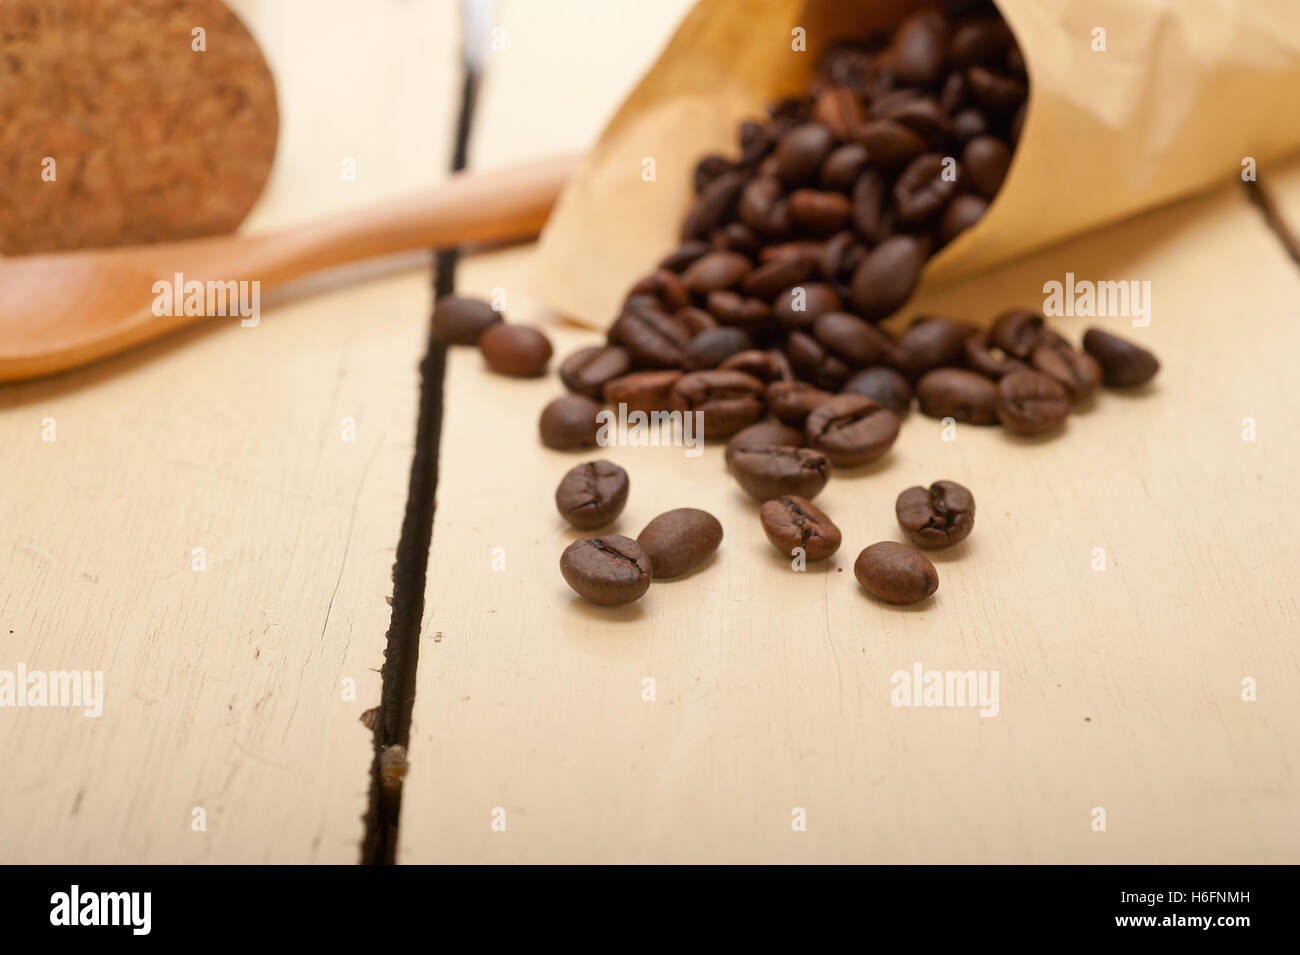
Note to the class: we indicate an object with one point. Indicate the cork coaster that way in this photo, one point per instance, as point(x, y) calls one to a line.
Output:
point(115, 128)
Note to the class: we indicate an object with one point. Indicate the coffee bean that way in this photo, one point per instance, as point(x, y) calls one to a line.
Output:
point(989, 360)
point(840, 111)
point(763, 209)
point(967, 124)
point(1123, 364)
point(955, 393)
point(1030, 402)
point(665, 286)
point(923, 190)
point(729, 400)
point(933, 341)
point(679, 541)
point(586, 370)
point(717, 270)
point(962, 213)
point(884, 385)
point(924, 115)
point(814, 363)
point(568, 422)
point(843, 166)
point(768, 472)
point(993, 91)
point(980, 41)
point(887, 276)
point(652, 338)
point(938, 516)
point(801, 152)
point(1017, 332)
point(1078, 371)
point(729, 308)
point(458, 320)
point(715, 203)
point(592, 494)
point(609, 570)
point(737, 237)
point(850, 338)
point(515, 350)
point(919, 47)
point(890, 143)
point(896, 573)
point(686, 253)
point(642, 390)
point(817, 298)
point(710, 348)
point(851, 430)
point(869, 214)
point(984, 161)
point(764, 434)
point(709, 168)
point(752, 361)
point(818, 212)
point(780, 273)
point(695, 320)
point(793, 521)
point(792, 401)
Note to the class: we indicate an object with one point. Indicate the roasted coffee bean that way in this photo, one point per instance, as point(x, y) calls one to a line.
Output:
point(984, 163)
point(890, 143)
point(768, 472)
point(843, 166)
point(792, 521)
point(933, 341)
point(869, 213)
point(763, 208)
point(516, 350)
point(884, 385)
point(993, 91)
point(791, 402)
point(711, 348)
point(979, 41)
point(780, 273)
point(729, 400)
point(695, 320)
point(938, 516)
point(586, 370)
point(731, 308)
point(923, 115)
point(642, 390)
point(818, 212)
point(839, 110)
point(840, 255)
point(800, 306)
point(989, 360)
point(923, 189)
point(887, 276)
point(753, 361)
point(1078, 371)
point(782, 370)
point(458, 320)
point(814, 363)
point(1017, 332)
point(850, 338)
point(962, 213)
point(665, 286)
point(679, 541)
point(801, 153)
point(919, 48)
point(953, 94)
point(765, 434)
point(714, 205)
point(569, 422)
point(896, 573)
point(710, 167)
point(1123, 364)
point(959, 394)
point(717, 270)
point(810, 250)
point(737, 237)
point(851, 430)
point(686, 253)
point(653, 338)
point(609, 570)
point(592, 494)
point(1030, 402)
point(967, 124)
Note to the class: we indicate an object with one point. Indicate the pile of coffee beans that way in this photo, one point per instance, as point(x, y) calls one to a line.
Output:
point(765, 319)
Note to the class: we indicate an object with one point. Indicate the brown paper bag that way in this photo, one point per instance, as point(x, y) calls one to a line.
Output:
point(1182, 95)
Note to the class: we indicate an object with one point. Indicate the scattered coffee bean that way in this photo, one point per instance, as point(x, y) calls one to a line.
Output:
point(458, 320)
point(791, 402)
point(592, 494)
point(887, 276)
point(1123, 364)
point(938, 516)
point(729, 400)
point(1017, 332)
point(801, 152)
point(896, 573)
point(1030, 402)
point(515, 350)
point(1078, 371)
point(569, 422)
point(851, 430)
point(850, 338)
point(792, 521)
point(587, 370)
point(642, 390)
point(984, 162)
point(884, 385)
point(989, 360)
point(711, 348)
point(768, 472)
point(962, 213)
point(607, 570)
point(652, 337)
point(715, 271)
point(956, 393)
point(933, 342)
point(765, 434)
point(679, 541)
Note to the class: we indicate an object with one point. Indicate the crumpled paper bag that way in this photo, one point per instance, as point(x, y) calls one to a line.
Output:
point(1183, 92)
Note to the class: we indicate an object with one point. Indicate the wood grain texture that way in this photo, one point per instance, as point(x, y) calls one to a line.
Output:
point(1119, 689)
point(223, 688)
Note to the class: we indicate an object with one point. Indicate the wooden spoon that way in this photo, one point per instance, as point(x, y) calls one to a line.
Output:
point(66, 309)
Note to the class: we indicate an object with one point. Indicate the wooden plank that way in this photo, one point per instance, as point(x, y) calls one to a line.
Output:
point(1119, 688)
point(224, 688)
